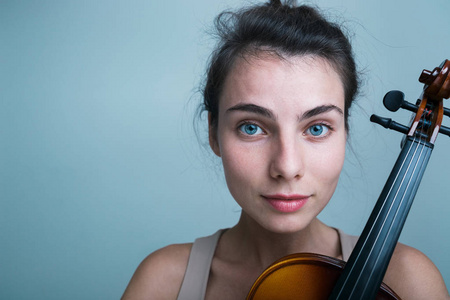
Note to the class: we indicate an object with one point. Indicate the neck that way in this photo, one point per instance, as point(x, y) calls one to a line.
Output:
point(261, 247)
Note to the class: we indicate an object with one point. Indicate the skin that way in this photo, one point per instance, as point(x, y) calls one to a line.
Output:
point(280, 131)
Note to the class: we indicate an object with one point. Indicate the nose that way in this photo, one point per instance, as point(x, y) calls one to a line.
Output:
point(287, 159)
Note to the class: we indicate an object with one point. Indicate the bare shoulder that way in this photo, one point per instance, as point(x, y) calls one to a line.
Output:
point(159, 276)
point(412, 275)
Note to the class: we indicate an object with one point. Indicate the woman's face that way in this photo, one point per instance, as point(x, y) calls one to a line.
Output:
point(281, 136)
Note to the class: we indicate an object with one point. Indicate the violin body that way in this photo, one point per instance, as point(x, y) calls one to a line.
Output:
point(313, 276)
point(304, 276)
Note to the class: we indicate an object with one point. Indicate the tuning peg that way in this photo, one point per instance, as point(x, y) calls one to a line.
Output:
point(394, 100)
point(444, 130)
point(388, 123)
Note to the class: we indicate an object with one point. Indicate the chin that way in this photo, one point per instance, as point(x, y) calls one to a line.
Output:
point(287, 225)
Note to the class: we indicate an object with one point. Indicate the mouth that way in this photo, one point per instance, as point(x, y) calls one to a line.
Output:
point(286, 203)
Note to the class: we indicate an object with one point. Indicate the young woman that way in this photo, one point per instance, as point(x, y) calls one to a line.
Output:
point(278, 92)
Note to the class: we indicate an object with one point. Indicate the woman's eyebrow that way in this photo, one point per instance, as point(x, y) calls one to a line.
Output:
point(253, 108)
point(319, 110)
point(256, 109)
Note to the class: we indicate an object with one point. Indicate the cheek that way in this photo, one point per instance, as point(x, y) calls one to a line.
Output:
point(239, 163)
point(237, 174)
point(328, 166)
point(244, 167)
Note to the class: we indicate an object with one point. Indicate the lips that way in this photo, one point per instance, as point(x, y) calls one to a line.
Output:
point(286, 203)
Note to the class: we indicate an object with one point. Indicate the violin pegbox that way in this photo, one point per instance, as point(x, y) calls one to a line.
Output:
point(429, 108)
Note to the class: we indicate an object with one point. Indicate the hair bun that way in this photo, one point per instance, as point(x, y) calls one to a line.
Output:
point(275, 3)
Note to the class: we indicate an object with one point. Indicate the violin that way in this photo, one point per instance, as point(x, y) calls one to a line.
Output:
point(314, 276)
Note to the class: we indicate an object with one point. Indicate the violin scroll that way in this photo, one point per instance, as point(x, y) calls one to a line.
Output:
point(437, 82)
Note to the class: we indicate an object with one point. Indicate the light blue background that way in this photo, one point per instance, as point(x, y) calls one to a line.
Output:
point(99, 162)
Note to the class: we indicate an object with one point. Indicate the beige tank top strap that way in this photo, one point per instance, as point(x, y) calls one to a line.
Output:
point(198, 268)
point(348, 242)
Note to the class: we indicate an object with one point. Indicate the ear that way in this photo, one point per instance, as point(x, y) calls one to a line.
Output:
point(213, 143)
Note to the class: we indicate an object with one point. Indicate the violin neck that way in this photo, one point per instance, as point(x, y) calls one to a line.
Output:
point(365, 269)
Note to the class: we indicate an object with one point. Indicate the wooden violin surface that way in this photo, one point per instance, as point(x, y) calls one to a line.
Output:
point(303, 276)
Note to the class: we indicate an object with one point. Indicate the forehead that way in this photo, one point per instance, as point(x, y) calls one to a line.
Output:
point(300, 81)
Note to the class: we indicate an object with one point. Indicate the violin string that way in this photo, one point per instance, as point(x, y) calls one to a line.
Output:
point(384, 221)
point(419, 160)
point(390, 208)
point(376, 218)
point(421, 143)
point(422, 146)
point(399, 206)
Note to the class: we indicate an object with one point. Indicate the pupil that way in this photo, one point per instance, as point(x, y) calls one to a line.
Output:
point(316, 130)
point(250, 129)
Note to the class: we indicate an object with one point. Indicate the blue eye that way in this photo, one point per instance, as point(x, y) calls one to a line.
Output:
point(250, 129)
point(318, 130)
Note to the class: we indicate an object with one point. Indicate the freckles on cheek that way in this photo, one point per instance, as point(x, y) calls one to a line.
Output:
point(240, 163)
point(235, 160)
point(236, 175)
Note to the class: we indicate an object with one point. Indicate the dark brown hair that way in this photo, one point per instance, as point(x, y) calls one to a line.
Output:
point(287, 30)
